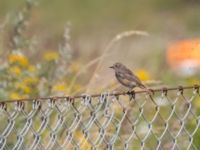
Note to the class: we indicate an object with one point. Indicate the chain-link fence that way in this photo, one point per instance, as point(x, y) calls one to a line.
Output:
point(168, 118)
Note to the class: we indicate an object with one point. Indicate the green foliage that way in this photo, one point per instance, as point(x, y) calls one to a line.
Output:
point(21, 77)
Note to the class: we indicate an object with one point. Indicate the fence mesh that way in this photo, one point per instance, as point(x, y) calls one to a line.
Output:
point(168, 118)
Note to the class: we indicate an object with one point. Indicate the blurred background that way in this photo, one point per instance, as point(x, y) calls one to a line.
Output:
point(65, 47)
point(72, 43)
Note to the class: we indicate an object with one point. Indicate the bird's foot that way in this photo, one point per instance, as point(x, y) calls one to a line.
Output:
point(130, 91)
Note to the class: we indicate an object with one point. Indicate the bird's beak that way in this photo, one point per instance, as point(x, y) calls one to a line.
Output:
point(111, 67)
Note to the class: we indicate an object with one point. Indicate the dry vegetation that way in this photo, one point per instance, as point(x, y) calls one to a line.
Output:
point(31, 68)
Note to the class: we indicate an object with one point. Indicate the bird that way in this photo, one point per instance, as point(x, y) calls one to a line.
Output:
point(126, 77)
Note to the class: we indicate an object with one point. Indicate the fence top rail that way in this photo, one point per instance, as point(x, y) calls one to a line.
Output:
point(114, 93)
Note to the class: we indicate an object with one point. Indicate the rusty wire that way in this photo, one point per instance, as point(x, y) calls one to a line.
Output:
point(163, 89)
point(168, 118)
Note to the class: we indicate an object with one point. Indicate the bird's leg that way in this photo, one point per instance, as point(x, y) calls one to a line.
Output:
point(130, 91)
point(131, 94)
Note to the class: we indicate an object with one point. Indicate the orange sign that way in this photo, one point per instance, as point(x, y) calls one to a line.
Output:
point(184, 55)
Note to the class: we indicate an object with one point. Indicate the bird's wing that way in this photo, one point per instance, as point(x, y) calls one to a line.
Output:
point(123, 80)
point(136, 80)
point(132, 77)
point(128, 75)
point(128, 71)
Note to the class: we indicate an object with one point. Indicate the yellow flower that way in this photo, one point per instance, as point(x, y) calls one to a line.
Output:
point(84, 143)
point(142, 74)
point(23, 87)
point(27, 90)
point(30, 80)
point(14, 95)
point(31, 68)
point(15, 70)
point(51, 56)
point(192, 81)
point(60, 87)
point(18, 59)
point(197, 102)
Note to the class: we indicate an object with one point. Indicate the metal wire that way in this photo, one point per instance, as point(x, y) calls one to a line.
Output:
point(167, 118)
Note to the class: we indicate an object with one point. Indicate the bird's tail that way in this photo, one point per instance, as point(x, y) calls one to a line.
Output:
point(142, 86)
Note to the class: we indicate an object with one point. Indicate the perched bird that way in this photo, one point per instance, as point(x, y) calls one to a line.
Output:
point(126, 77)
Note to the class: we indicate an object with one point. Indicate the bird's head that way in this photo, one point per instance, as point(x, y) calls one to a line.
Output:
point(117, 66)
